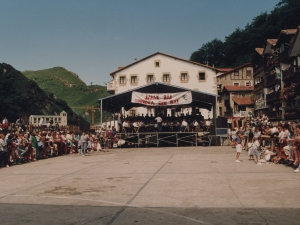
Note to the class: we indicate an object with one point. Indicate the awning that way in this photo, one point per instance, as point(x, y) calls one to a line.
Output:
point(243, 101)
point(114, 103)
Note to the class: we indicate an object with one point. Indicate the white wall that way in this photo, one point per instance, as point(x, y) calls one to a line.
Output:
point(172, 66)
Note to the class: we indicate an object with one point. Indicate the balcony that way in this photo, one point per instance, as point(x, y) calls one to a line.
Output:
point(259, 105)
point(259, 86)
point(273, 115)
point(229, 113)
point(284, 55)
point(227, 102)
point(288, 73)
point(273, 78)
point(271, 63)
point(240, 114)
point(272, 96)
point(258, 70)
point(110, 87)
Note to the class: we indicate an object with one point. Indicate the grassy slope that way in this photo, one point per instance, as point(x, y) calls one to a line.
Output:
point(69, 87)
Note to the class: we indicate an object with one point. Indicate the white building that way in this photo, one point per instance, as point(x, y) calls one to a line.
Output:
point(61, 119)
point(160, 67)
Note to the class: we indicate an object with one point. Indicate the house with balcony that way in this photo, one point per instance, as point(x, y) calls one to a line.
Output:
point(237, 101)
point(275, 77)
point(167, 69)
point(237, 82)
point(289, 65)
point(259, 96)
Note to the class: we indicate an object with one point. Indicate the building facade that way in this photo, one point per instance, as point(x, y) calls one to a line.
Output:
point(160, 67)
point(60, 119)
point(277, 77)
point(235, 89)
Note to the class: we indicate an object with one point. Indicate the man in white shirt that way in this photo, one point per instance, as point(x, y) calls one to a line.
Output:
point(159, 123)
point(183, 126)
point(126, 126)
point(41, 121)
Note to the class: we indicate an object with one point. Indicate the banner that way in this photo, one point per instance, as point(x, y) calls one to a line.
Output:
point(162, 99)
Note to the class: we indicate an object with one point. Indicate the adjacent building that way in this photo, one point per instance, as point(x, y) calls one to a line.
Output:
point(276, 77)
point(235, 89)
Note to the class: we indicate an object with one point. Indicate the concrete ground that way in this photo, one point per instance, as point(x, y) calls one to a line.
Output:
point(191, 185)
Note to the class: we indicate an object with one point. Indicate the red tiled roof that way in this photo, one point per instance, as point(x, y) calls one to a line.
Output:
point(289, 31)
point(243, 101)
point(272, 41)
point(259, 50)
point(224, 70)
point(239, 88)
point(237, 68)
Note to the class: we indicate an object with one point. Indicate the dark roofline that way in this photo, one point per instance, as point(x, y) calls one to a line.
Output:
point(237, 68)
point(187, 89)
point(161, 53)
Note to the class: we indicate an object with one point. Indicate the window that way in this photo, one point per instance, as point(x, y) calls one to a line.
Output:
point(150, 78)
point(248, 83)
point(201, 76)
point(156, 63)
point(133, 79)
point(236, 84)
point(248, 71)
point(122, 80)
point(166, 77)
point(236, 73)
point(132, 113)
point(184, 77)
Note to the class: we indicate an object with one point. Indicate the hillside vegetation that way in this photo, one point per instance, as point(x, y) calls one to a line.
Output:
point(238, 47)
point(20, 96)
point(69, 87)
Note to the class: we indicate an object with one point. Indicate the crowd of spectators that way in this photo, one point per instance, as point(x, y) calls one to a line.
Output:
point(19, 145)
point(265, 141)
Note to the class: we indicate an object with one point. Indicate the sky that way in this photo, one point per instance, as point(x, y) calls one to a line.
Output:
point(93, 37)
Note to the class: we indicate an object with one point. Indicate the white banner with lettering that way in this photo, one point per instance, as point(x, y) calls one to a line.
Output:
point(162, 99)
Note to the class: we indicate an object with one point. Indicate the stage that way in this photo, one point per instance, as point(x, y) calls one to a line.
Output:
point(162, 139)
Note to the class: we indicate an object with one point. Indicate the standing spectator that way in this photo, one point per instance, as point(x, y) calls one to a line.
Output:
point(83, 143)
point(4, 125)
point(3, 151)
point(184, 125)
point(238, 146)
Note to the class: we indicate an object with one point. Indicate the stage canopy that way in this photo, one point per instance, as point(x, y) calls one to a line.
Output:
point(114, 103)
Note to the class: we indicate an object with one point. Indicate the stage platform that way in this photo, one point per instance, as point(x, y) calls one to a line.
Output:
point(163, 139)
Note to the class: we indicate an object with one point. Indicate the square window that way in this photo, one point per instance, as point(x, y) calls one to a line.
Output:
point(184, 77)
point(166, 78)
point(133, 79)
point(150, 78)
point(248, 83)
point(236, 73)
point(122, 80)
point(201, 76)
point(236, 84)
point(156, 64)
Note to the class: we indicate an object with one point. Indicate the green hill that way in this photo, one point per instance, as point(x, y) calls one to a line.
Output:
point(20, 96)
point(69, 87)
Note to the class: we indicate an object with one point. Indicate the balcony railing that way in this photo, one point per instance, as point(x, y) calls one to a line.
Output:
point(229, 113)
point(273, 115)
point(273, 78)
point(272, 96)
point(284, 55)
point(288, 73)
point(259, 105)
point(110, 86)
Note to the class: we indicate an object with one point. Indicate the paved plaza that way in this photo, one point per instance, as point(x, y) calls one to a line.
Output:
point(185, 185)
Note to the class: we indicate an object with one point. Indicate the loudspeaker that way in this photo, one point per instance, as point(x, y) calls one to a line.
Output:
point(221, 122)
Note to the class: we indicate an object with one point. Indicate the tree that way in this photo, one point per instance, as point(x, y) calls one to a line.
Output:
point(210, 53)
